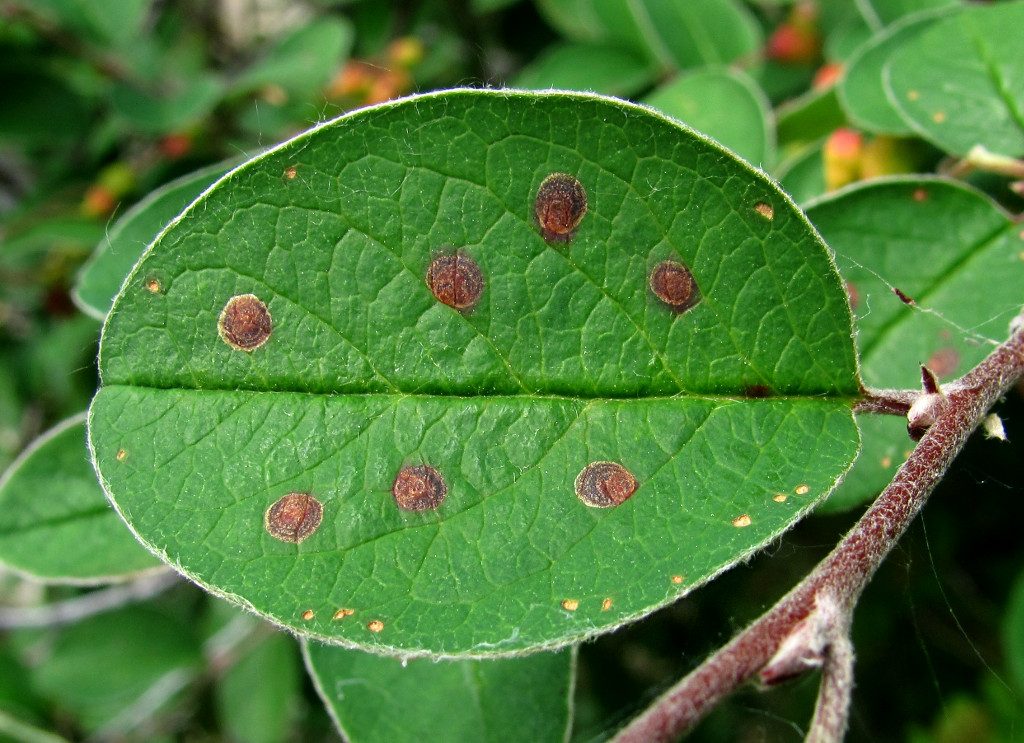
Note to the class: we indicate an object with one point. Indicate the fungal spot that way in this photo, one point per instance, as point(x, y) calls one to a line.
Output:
point(570, 604)
point(121, 455)
point(455, 280)
point(780, 497)
point(677, 580)
point(560, 207)
point(606, 605)
point(913, 95)
point(294, 517)
point(938, 117)
point(741, 521)
point(307, 614)
point(674, 285)
point(886, 462)
point(765, 210)
point(342, 613)
point(375, 626)
point(903, 297)
point(802, 490)
point(244, 323)
point(290, 172)
point(419, 488)
point(605, 484)
point(154, 286)
point(920, 195)
point(906, 453)
point(757, 391)
point(944, 361)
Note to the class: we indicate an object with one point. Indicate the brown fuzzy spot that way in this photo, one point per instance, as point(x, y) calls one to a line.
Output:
point(560, 206)
point(375, 626)
point(757, 391)
point(742, 520)
point(307, 614)
point(294, 517)
point(419, 488)
point(455, 280)
point(604, 484)
point(290, 173)
point(765, 210)
point(920, 194)
point(244, 323)
point(674, 285)
point(342, 613)
point(570, 604)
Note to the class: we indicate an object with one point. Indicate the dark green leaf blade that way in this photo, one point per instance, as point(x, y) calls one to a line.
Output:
point(385, 700)
point(55, 523)
point(567, 359)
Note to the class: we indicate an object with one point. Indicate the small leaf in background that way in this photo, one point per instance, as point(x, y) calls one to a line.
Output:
point(958, 82)
point(118, 670)
point(257, 696)
point(802, 174)
point(938, 242)
point(568, 358)
point(385, 700)
point(102, 275)
point(880, 13)
point(99, 21)
point(808, 118)
point(862, 89)
point(601, 68)
point(675, 35)
point(174, 105)
point(55, 523)
point(723, 104)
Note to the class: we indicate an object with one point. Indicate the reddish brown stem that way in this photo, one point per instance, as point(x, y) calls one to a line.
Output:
point(843, 574)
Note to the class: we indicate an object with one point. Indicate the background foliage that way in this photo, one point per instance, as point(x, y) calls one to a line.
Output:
point(102, 103)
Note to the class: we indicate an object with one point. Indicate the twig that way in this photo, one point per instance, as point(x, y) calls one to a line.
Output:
point(843, 574)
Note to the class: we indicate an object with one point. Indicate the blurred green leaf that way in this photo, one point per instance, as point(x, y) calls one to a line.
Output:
point(802, 174)
point(120, 249)
point(1013, 634)
point(958, 82)
point(941, 244)
point(385, 700)
point(674, 34)
point(38, 108)
point(567, 359)
point(808, 118)
point(55, 523)
point(118, 670)
point(601, 68)
point(100, 21)
point(880, 13)
point(174, 104)
point(257, 698)
point(724, 104)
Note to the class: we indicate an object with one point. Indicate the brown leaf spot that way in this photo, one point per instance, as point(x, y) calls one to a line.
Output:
point(677, 580)
point(307, 614)
point(920, 194)
point(886, 462)
point(455, 280)
point(606, 605)
point(757, 391)
point(570, 604)
point(154, 286)
point(903, 297)
point(121, 455)
point(244, 323)
point(741, 521)
point(604, 484)
point(290, 173)
point(938, 117)
point(944, 361)
point(294, 517)
point(674, 285)
point(560, 206)
point(765, 210)
point(913, 95)
point(802, 490)
point(419, 488)
point(780, 497)
point(375, 626)
point(342, 613)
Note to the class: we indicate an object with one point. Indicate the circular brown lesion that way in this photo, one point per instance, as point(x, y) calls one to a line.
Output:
point(419, 488)
point(560, 207)
point(244, 323)
point(674, 285)
point(455, 280)
point(605, 484)
point(294, 517)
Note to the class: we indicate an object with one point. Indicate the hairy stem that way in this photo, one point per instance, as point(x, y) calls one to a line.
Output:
point(842, 575)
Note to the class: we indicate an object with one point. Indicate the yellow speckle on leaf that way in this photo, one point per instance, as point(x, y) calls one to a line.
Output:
point(570, 604)
point(742, 520)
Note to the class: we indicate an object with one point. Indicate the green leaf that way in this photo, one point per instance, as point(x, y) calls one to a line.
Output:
point(114, 670)
point(724, 104)
point(675, 35)
point(374, 699)
point(568, 358)
point(862, 90)
point(938, 242)
point(1013, 634)
point(808, 118)
point(958, 82)
point(885, 12)
point(102, 275)
point(257, 697)
point(802, 175)
point(177, 104)
point(601, 68)
point(100, 20)
point(55, 523)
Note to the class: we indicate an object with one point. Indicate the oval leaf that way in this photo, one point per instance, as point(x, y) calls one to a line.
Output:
point(268, 474)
